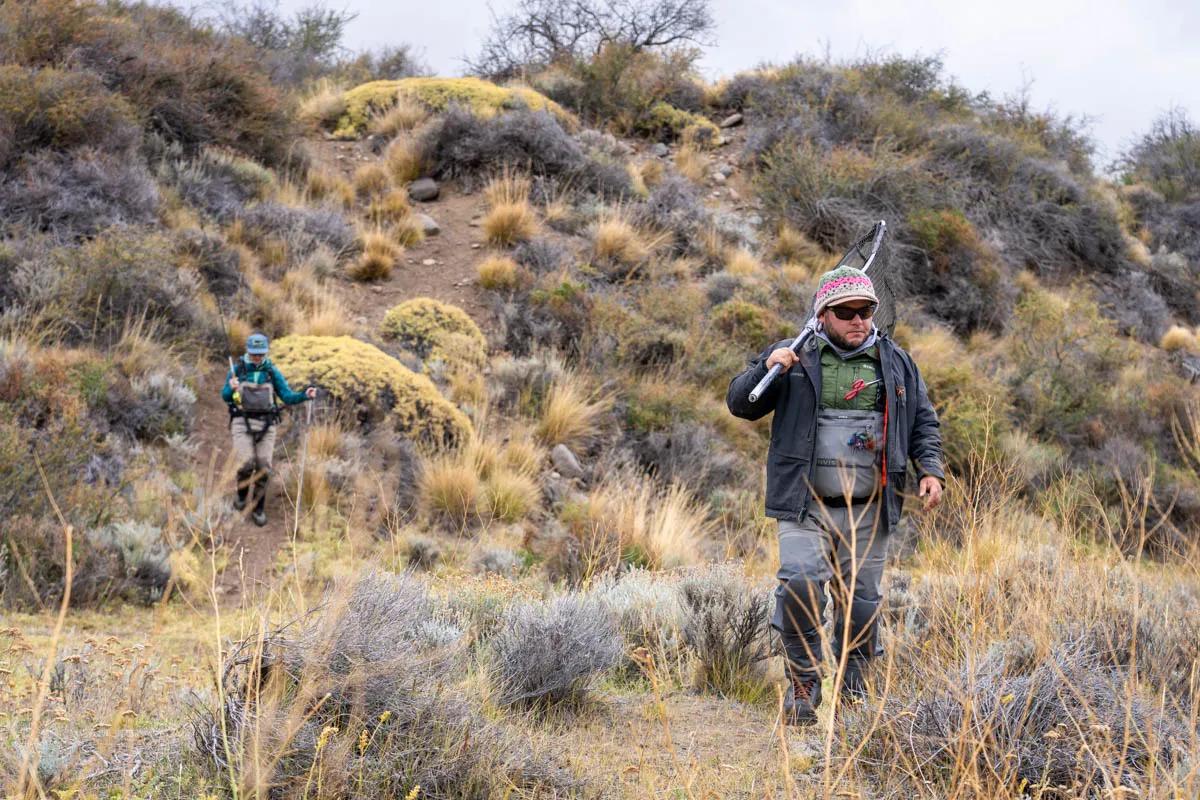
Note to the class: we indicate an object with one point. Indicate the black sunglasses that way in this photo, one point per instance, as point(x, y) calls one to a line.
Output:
point(845, 313)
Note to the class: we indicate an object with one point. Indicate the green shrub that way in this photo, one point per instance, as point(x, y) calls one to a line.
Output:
point(96, 290)
point(961, 279)
point(59, 109)
point(748, 325)
point(1066, 355)
point(664, 121)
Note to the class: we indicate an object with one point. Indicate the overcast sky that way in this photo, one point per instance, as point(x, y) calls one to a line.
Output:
point(1119, 63)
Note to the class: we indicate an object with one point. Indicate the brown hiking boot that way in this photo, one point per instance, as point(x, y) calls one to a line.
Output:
point(801, 701)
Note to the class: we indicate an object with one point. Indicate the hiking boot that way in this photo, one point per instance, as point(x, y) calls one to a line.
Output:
point(801, 701)
point(259, 517)
point(239, 502)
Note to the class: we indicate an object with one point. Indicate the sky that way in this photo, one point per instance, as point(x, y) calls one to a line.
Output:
point(1120, 64)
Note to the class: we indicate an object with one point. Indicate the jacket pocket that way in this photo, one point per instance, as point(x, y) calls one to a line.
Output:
point(787, 481)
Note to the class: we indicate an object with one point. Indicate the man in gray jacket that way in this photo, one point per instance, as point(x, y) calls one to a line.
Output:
point(846, 424)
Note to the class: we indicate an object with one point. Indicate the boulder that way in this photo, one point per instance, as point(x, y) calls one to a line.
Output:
point(565, 462)
point(424, 190)
point(660, 150)
point(428, 225)
point(732, 121)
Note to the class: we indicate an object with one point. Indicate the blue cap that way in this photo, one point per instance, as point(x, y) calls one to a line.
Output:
point(256, 344)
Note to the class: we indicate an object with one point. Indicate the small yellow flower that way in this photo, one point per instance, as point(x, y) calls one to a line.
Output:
point(326, 733)
point(416, 790)
point(384, 717)
point(363, 740)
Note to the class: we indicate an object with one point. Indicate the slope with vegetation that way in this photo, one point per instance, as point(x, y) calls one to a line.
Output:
point(507, 536)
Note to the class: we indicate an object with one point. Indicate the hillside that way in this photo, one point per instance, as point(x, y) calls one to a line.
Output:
point(517, 547)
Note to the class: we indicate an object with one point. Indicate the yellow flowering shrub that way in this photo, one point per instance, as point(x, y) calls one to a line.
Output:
point(436, 331)
point(436, 94)
point(372, 386)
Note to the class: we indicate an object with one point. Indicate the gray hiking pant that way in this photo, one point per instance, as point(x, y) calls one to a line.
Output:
point(844, 549)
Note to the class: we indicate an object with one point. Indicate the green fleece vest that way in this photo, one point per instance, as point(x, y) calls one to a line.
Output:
point(837, 376)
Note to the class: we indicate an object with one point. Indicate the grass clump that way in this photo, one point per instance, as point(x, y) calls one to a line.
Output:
point(377, 260)
point(569, 415)
point(508, 223)
point(1178, 338)
point(371, 387)
point(405, 160)
point(498, 273)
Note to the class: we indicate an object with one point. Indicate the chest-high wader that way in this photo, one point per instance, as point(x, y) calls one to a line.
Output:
point(257, 391)
point(851, 432)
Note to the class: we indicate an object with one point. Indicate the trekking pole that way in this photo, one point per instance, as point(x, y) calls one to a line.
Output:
point(875, 238)
point(237, 395)
point(308, 413)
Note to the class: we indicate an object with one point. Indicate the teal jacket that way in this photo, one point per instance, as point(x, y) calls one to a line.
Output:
point(261, 373)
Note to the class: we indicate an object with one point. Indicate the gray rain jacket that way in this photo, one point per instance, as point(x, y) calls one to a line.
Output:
point(913, 432)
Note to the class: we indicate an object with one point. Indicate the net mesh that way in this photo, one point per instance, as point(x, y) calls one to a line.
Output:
point(871, 253)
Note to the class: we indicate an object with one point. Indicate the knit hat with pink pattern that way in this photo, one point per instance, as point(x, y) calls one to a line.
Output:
point(842, 284)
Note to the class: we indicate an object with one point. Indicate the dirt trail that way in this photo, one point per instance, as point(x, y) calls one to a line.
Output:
point(443, 267)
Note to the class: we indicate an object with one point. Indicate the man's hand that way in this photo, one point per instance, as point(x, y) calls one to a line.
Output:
point(234, 383)
point(931, 490)
point(311, 392)
point(784, 357)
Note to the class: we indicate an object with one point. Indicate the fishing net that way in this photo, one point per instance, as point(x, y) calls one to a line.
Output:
point(871, 254)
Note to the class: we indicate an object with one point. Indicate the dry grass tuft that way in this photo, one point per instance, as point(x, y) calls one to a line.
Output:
point(323, 105)
point(509, 223)
point(1178, 337)
point(743, 263)
point(652, 172)
point(408, 231)
point(378, 258)
point(404, 160)
point(510, 496)
point(508, 187)
point(323, 185)
point(692, 163)
point(326, 316)
point(389, 208)
point(511, 218)
point(450, 491)
point(405, 115)
point(371, 181)
point(616, 240)
point(569, 414)
point(792, 245)
point(498, 273)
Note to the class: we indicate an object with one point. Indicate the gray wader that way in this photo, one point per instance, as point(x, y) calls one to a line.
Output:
point(840, 542)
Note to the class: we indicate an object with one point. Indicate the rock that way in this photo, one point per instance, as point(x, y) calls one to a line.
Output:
point(732, 121)
point(424, 189)
point(565, 462)
point(733, 195)
point(660, 150)
point(429, 225)
point(725, 169)
point(475, 245)
point(755, 219)
point(717, 178)
point(429, 262)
